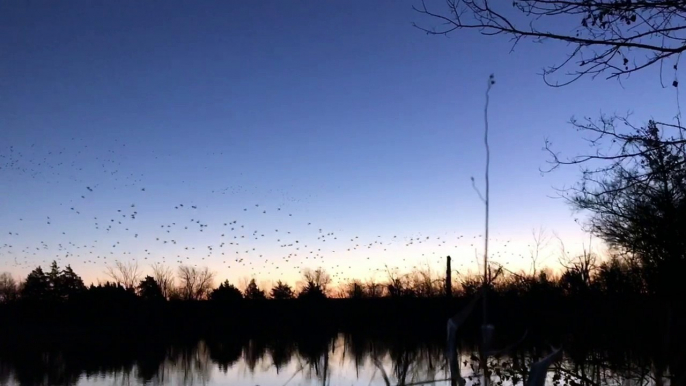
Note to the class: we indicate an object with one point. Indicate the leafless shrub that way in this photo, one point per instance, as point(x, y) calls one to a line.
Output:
point(8, 287)
point(126, 274)
point(194, 283)
point(164, 277)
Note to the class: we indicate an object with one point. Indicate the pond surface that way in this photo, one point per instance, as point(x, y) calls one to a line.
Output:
point(334, 360)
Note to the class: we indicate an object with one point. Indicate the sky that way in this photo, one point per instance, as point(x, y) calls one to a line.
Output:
point(322, 133)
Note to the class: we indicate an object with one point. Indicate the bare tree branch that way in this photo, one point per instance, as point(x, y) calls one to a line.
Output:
point(164, 277)
point(194, 283)
point(126, 274)
point(609, 37)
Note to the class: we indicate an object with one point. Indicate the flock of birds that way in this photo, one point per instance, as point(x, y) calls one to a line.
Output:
point(88, 207)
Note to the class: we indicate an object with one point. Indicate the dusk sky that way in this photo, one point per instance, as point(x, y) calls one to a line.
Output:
point(336, 121)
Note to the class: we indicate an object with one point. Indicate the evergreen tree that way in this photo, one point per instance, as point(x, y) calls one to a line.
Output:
point(36, 286)
point(69, 284)
point(253, 292)
point(226, 292)
point(282, 291)
point(149, 289)
point(54, 279)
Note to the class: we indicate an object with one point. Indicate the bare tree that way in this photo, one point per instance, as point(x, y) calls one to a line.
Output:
point(582, 265)
point(397, 284)
point(620, 155)
point(352, 290)
point(8, 287)
point(634, 187)
point(164, 277)
point(126, 274)
point(540, 244)
point(373, 288)
point(608, 37)
point(425, 283)
point(194, 283)
point(315, 282)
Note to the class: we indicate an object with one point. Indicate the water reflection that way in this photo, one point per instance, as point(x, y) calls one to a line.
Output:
point(343, 359)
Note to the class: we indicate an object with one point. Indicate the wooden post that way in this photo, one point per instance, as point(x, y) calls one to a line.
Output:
point(448, 280)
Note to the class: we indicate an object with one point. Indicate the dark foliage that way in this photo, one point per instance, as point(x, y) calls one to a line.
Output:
point(282, 291)
point(56, 285)
point(253, 292)
point(635, 192)
point(226, 292)
point(149, 290)
point(315, 286)
point(161, 348)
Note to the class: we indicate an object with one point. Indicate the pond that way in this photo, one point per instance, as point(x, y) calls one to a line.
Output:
point(340, 359)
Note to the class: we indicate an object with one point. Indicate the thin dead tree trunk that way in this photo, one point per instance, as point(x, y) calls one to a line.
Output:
point(486, 330)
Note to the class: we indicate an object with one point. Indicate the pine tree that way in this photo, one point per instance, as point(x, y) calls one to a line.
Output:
point(253, 292)
point(36, 286)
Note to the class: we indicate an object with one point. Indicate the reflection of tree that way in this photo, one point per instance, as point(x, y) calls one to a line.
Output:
point(191, 364)
point(254, 353)
point(150, 364)
point(313, 353)
point(404, 359)
point(44, 369)
point(281, 352)
point(357, 348)
point(225, 353)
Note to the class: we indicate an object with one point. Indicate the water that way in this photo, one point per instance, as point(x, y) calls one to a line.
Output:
point(334, 360)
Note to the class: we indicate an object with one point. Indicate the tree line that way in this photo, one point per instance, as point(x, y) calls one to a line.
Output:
point(188, 284)
point(584, 275)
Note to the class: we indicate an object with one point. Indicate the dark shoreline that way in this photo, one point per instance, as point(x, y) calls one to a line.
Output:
point(554, 319)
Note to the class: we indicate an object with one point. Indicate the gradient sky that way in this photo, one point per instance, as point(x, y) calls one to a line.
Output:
point(338, 118)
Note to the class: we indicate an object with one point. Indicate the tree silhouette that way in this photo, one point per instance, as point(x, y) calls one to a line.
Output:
point(226, 292)
point(56, 285)
point(110, 293)
point(164, 277)
point(396, 286)
point(282, 291)
point(194, 283)
point(373, 289)
point(127, 274)
point(639, 207)
point(54, 281)
point(608, 37)
point(36, 286)
point(354, 290)
point(8, 288)
point(315, 284)
point(150, 290)
point(253, 292)
point(618, 277)
point(579, 271)
point(69, 284)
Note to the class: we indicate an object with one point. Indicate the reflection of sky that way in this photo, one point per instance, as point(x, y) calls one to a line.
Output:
point(340, 363)
point(341, 370)
point(365, 131)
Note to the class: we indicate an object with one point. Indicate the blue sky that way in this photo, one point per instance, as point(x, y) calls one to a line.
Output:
point(340, 114)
